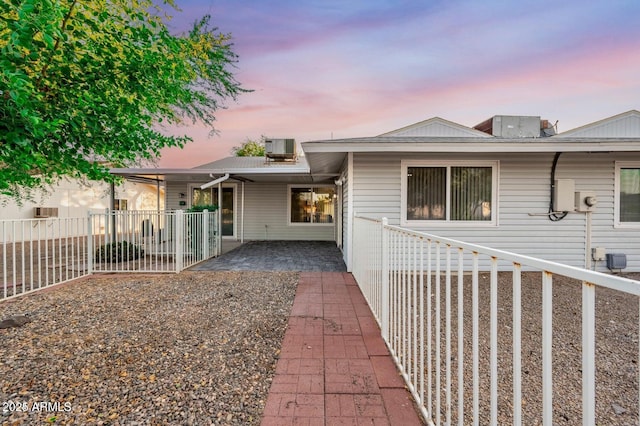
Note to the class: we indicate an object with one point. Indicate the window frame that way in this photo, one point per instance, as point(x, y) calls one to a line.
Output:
point(617, 223)
point(495, 176)
point(312, 187)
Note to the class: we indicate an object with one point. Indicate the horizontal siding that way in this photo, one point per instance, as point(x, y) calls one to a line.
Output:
point(523, 190)
point(266, 216)
point(172, 195)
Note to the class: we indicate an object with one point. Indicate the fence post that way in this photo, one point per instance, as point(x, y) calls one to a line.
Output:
point(90, 242)
point(179, 235)
point(205, 234)
point(385, 278)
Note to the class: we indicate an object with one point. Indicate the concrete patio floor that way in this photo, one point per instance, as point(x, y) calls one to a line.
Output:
point(278, 256)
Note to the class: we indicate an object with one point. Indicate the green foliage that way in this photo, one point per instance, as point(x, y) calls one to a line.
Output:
point(250, 148)
point(89, 85)
point(118, 252)
point(198, 209)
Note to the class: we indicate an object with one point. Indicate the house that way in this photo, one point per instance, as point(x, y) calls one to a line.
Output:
point(509, 183)
point(72, 198)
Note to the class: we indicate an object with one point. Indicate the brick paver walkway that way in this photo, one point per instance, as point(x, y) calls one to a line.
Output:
point(334, 368)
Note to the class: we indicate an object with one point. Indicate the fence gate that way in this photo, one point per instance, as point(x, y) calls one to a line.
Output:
point(151, 241)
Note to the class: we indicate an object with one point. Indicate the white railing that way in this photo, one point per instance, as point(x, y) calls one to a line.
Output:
point(151, 241)
point(407, 278)
point(39, 253)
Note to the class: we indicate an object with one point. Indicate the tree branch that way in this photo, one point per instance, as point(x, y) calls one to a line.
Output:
point(43, 72)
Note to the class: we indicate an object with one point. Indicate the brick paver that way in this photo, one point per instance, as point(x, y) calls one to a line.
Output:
point(334, 368)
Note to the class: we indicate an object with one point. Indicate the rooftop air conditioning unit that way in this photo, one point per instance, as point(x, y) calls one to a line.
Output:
point(45, 212)
point(280, 149)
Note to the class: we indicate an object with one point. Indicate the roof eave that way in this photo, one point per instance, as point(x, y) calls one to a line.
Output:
point(528, 145)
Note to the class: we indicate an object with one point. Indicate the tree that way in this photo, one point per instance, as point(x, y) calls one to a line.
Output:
point(250, 148)
point(85, 86)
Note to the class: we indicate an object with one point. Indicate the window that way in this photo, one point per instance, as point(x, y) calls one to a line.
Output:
point(311, 205)
point(628, 193)
point(455, 192)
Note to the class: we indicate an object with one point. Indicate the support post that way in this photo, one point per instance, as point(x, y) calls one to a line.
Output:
point(90, 248)
point(205, 234)
point(180, 228)
point(385, 278)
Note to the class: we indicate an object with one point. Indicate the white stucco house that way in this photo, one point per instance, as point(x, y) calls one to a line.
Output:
point(72, 198)
point(505, 183)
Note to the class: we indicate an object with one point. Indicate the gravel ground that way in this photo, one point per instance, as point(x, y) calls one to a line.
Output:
point(616, 352)
point(201, 348)
point(191, 348)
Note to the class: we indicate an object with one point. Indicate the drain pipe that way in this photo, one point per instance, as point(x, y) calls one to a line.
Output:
point(215, 182)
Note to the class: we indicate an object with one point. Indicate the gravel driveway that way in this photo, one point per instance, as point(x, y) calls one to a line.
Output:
point(191, 348)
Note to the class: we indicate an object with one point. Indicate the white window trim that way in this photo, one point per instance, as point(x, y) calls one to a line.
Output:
point(616, 194)
point(495, 178)
point(298, 185)
point(192, 186)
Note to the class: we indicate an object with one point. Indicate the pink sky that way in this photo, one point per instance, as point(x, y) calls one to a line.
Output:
point(323, 69)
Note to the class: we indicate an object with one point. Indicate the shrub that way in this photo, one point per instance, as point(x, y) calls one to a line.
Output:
point(118, 252)
point(198, 209)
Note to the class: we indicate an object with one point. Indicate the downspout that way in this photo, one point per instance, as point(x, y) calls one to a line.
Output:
point(215, 182)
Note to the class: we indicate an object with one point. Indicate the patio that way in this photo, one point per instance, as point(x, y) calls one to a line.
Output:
point(302, 256)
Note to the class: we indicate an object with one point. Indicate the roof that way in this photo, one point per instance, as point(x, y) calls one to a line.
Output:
point(619, 133)
point(242, 169)
point(324, 158)
point(626, 124)
point(436, 127)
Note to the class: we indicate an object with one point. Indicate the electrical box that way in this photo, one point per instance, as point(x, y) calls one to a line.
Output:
point(563, 195)
point(616, 261)
point(597, 253)
point(586, 201)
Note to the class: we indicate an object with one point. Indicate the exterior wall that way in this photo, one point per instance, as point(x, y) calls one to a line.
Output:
point(172, 195)
point(523, 190)
point(75, 200)
point(265, 213)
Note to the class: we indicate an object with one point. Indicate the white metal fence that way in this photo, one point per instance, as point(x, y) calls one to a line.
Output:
point(38, 253)
point(449, 338)
point(150, 241)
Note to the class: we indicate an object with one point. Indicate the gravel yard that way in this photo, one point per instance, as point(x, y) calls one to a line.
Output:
point(191, 348)
point(616, 352)
point(201, 348)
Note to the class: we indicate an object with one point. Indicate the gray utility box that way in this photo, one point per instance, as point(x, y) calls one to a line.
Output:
point(616, 261)
point(512, 126)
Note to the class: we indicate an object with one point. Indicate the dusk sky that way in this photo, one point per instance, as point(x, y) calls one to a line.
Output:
point(337, 69)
